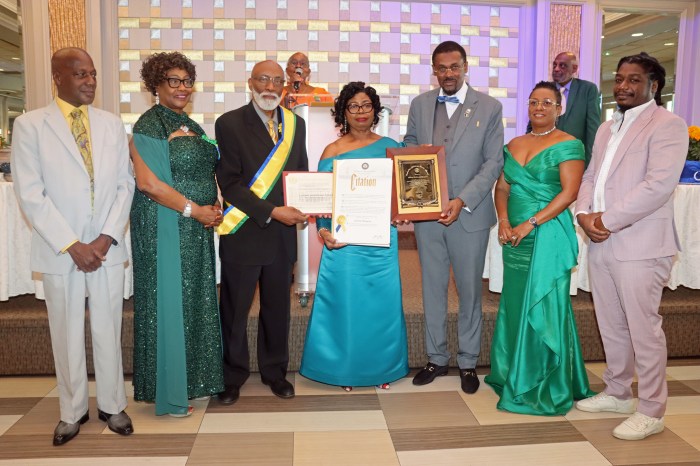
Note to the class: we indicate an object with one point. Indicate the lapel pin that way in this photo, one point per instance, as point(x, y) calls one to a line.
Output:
point(468, 112)
point(477, 124)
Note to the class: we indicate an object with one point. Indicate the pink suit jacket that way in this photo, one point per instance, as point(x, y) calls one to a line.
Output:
point(639, 189)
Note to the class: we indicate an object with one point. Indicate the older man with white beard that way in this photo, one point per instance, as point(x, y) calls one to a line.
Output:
point(258, 235)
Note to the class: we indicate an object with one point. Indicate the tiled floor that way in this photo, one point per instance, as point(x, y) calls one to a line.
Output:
point(406, 425)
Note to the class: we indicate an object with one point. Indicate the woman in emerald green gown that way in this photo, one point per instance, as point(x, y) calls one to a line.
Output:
point(177, 335)
point(536, 361)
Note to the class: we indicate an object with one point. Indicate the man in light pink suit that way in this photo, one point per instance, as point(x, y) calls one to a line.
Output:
point(625, 206)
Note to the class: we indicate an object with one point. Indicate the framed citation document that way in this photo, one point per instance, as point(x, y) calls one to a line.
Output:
point(419, 188)
point(310, 192)
point(362, 201)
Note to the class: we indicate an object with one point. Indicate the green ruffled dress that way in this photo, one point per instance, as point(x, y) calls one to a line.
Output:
point(536, 359)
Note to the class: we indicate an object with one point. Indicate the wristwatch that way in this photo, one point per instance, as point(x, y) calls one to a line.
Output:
point(533, 221)
point(187, 212)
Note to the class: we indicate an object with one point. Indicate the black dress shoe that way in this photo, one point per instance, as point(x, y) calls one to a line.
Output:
point(230, 395)
point(64, 432)
point(119, 423)
point(428, 374)
point(281, 388)
point(470, 381)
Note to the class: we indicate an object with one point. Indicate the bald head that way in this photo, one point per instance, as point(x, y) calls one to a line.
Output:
point(564, 66)
point(75, 76)
point(267, 67)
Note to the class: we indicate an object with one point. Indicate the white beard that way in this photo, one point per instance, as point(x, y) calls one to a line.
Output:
point(265, 104)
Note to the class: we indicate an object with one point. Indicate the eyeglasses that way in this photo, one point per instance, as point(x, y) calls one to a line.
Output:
point(355, 108)
point(277, 81)
point(546, 103)
point(442, 70)
point(175, 82)
point(299, 64)
point(85, 74)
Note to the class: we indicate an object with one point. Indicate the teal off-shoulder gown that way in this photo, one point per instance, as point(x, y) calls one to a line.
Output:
point(357, 333)
point(536, 360)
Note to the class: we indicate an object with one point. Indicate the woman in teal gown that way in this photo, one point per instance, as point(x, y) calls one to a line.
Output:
point(357, 333)
point(177, 336)
point(536, 360)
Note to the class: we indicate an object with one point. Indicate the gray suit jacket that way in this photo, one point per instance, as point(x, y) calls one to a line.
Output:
point(475, 157)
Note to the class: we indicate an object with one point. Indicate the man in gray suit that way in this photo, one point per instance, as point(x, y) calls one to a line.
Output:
point(580, 113)
point(468, 123)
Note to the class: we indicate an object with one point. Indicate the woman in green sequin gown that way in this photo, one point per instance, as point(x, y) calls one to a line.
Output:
point(536, 360)
point(177, 335)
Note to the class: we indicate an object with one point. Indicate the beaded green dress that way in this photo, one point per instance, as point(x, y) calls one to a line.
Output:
point(177, 334)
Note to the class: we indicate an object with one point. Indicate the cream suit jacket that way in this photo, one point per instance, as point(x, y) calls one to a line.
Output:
point(53, 186)
point(639, 189)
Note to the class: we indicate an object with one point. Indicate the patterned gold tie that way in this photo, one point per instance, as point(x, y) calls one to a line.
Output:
point(271, 129)
point(79, 131)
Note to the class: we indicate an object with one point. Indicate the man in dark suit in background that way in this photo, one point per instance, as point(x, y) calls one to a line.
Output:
point(258, 235)
point(580, 112)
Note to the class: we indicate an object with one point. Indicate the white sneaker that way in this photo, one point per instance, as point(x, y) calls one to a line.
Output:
point(604, 402)
point(638, 426)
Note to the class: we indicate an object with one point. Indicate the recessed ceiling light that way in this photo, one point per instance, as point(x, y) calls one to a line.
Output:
point(607, 54)
point(602, 37)
point(637, 34)
point(2, 69)
point(670, 43)
point(15, 58)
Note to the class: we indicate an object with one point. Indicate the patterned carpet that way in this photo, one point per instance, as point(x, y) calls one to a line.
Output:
point(406, 425)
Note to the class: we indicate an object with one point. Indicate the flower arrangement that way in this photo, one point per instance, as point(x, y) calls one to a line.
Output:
point(694, 146)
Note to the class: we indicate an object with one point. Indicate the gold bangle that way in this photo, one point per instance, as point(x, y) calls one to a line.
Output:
point(320, 230)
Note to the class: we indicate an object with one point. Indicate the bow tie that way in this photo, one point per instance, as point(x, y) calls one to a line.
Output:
point(448, 98)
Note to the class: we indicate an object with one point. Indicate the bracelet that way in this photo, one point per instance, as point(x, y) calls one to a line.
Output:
point(503, 220)
point(320, 230)
point(187, 211)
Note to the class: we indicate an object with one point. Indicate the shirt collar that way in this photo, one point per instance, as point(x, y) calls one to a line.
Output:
point(566, 86)
point(264, 116)
point(632, 113)
point(461, 94)
point(66, 108)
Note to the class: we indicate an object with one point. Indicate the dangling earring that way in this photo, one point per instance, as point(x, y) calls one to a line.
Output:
point(157, 99)
point(345, 126)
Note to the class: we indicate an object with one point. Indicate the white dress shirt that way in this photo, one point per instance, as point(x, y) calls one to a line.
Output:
point(461, 94)
point(622, 124)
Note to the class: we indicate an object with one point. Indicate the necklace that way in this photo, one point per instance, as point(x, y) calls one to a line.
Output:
point(544, 133)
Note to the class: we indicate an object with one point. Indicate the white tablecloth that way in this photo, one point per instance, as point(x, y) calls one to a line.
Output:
point(685, 271)
point(16, 277)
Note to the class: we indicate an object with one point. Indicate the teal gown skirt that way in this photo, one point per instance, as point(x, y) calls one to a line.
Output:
point(357, 333)
point(536, 360)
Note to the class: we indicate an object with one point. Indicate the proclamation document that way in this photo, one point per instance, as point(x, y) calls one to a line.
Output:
point(310, 192)
point(362, 201)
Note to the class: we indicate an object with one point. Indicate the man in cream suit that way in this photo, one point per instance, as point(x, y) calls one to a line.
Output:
point(625, 206)
point(469, 125)
point(73, 180)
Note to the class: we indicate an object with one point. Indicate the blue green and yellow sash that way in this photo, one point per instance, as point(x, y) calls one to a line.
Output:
point(264, 180)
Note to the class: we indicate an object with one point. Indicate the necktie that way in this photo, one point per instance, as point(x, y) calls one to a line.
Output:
point(272, 130)
point(448, 98)
point(564, 94)
point(79, 132)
